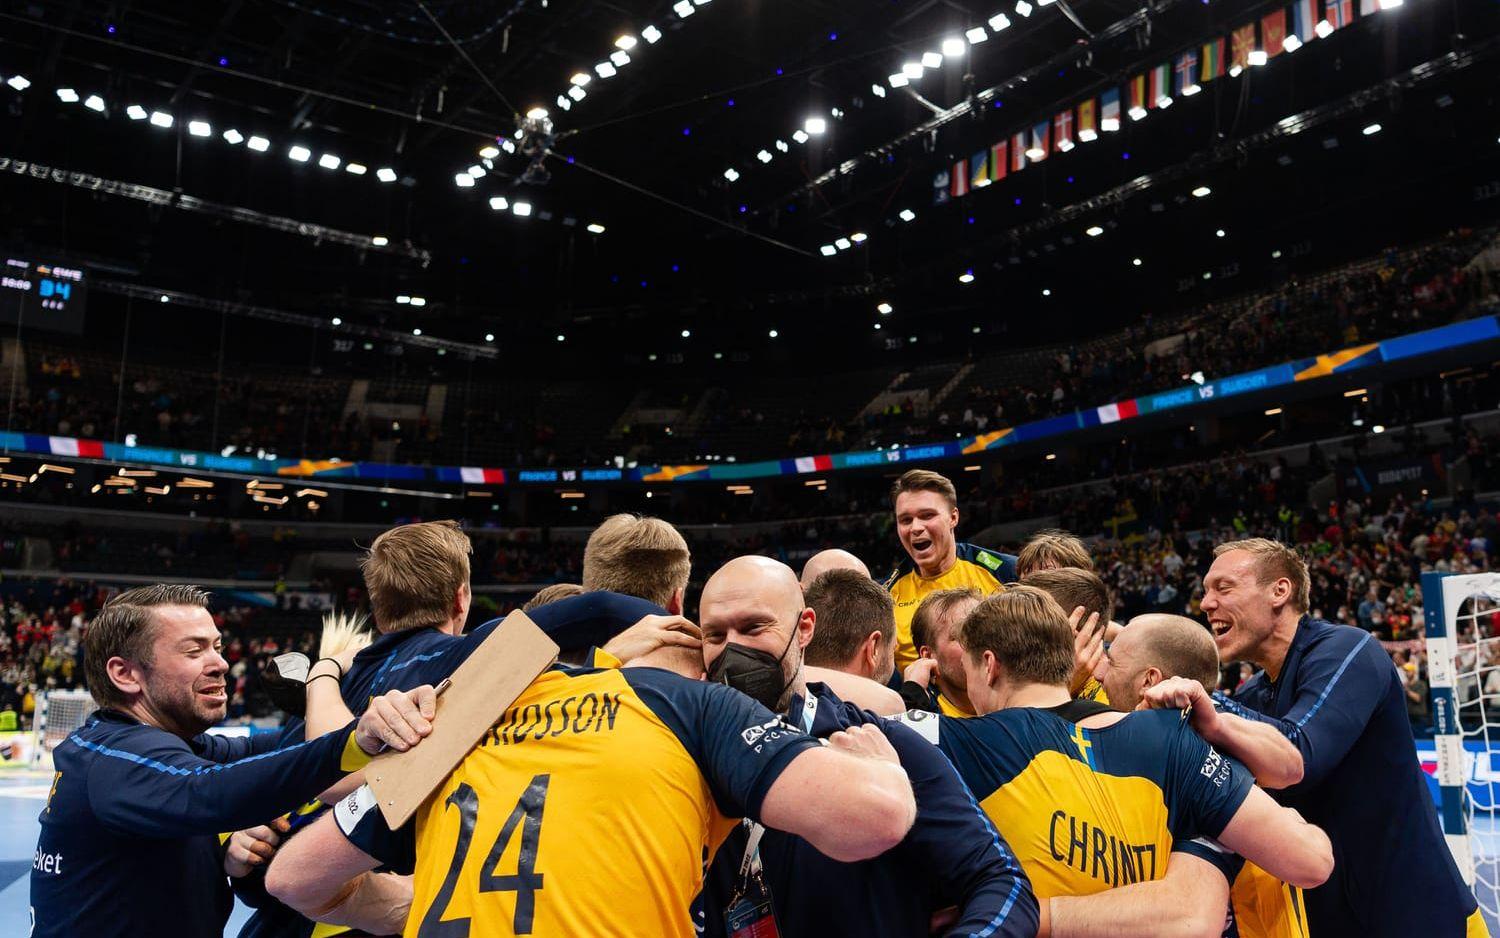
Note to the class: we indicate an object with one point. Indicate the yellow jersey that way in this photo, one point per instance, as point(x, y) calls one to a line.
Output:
point(1265, 907)
point(973, 568)
point(587, 809)
point(1086, 810)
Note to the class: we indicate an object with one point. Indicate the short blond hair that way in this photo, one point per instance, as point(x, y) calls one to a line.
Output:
point(1027, 632)
point(413, 572)
point(638, 556)
point(934, 607)
point(551, 594)
point(1072, 587)
point(1053, 549)
point(925, 480)
point(1274, 560)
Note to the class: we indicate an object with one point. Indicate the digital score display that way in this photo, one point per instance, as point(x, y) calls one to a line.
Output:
point(42, 296)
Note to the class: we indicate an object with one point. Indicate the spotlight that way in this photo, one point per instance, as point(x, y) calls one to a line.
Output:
point(380, 241)
point(604, 70)
point(135, 112)
point(94, 103)
point(161, 119)
point(1023, 8)
point(385, 174)
point(476, 171)
point(577, 93)
point(626, 42)
point(416, 332)
point(1189, 90)
point(489, 153)
point(1094, 231)
point(1219, 233)
point(1137, 113)
point(878, 90)
point(1291, 43)
point(773, 333)
point(1087, 135)
point(489, 337)
point(232, 136)
point(581, 78)
point(932, 60)
point(1201, 191)
point(356, 169)
point(731, 174)
point(976, 35)
point(561, 337)
point(800, 136)
point(687, 333)
point(499, 203)
point(898, 80)
point(1257, 57)
point(419, 301)
point(1035, 152)
point(463, 180)
point(522, 209)
point(337, 321)
point(1390, 4)
point(883, 309)
point(651, 34)
point(595, 228)
point(1046, 292)
point(912, 70)
point(537, 113)
point(1108, 124)
point(859, 237)
point(843, 244)
point(999, 21)
point(966, 277)
point(815, 125)
point(1324, 29)
point(1135, 262)
point(564, 103)
point(953, 47)
point(18, 82)
point(200, 129)
point(907, 215)
point(67, 95)
point(403, 300)
point(782, 146)
point(683, 8)
point(299, 153)
point(1372, 130)
point(828, 250)
point(620, 58)
point(329, 161)
point(764, 156)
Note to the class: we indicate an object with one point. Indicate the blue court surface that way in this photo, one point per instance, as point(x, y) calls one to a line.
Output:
point(22, 795)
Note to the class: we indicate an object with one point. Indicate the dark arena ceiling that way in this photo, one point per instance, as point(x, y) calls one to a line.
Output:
point(690, 150)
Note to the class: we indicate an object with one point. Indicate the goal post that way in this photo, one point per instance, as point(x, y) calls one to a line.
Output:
point(1463, 668)
point(58, 713)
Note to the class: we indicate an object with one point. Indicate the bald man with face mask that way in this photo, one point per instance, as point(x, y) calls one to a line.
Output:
point(755, 627)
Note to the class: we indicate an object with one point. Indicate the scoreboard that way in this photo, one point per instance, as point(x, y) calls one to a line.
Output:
point(41, 295)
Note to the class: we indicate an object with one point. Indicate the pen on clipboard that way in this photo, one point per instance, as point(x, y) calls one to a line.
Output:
point(437, 691)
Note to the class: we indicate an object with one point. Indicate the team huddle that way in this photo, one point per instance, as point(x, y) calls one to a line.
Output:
point(974, 748)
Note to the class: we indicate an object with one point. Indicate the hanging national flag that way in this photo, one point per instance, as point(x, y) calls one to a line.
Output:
point(1137, 97)
point(1160, 94)
point(1185, 74)
point(1272, 32)
point(1018, 151)
point(1087, 127)
point(1302, 20)
point(1213, 60)
point(1062, 131)
point(940, 187)
point(1241, 44)
point(1338, 13)
point(1109, 110)
point(979, 169)
point(960, 174)
point(999, 160)
point(1039, 144)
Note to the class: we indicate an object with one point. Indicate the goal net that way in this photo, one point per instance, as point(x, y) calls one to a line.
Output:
point(1462, 614)
point(58, 713)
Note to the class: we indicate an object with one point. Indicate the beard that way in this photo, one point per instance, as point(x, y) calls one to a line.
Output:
point(184, 710)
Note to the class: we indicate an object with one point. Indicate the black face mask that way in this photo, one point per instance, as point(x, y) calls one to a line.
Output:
point(752, 672)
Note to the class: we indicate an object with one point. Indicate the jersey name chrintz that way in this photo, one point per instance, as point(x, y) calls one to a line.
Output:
point(1094, 852)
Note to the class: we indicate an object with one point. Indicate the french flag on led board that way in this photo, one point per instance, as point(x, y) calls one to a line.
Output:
point(1120, 410)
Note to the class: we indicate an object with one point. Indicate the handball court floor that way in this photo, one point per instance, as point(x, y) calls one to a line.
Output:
point(22, 796)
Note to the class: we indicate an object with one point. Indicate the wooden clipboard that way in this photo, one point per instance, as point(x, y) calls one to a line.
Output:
point(489, 681)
